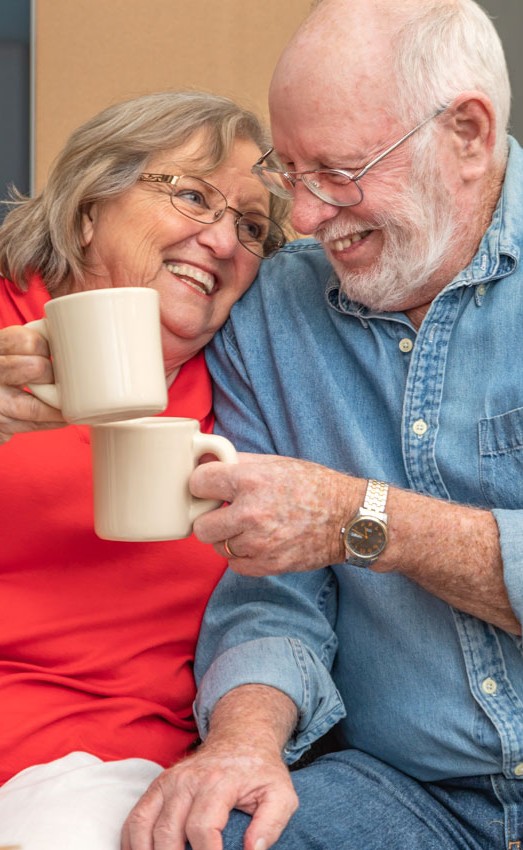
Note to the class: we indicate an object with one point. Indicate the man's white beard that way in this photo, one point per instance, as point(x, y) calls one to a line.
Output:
point(418, 237)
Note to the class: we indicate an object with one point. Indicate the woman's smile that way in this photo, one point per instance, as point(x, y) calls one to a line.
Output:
point(193, 276)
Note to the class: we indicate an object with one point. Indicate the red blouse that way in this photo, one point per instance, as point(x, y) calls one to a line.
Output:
point(96, 637)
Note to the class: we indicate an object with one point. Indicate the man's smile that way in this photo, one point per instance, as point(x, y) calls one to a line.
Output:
point(347, 241)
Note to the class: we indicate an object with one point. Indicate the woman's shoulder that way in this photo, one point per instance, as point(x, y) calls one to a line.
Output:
point(18, 306)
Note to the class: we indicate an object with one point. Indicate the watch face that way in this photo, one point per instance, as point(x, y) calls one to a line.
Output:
point(367, 538)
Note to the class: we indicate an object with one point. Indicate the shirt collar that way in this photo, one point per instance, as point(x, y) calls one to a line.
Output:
point(499, 251)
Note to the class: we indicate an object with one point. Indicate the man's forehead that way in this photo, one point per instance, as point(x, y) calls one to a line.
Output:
point(326, 75)
point(345, 143)
point(354, 116)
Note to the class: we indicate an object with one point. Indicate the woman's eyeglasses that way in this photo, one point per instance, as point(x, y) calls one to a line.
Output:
point(203, 202)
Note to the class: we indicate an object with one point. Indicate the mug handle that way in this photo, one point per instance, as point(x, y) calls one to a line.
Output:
point(48, 393)
point(224, 451)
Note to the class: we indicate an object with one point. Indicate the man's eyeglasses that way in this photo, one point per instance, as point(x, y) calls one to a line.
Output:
point(199, 200)
point(333, 185)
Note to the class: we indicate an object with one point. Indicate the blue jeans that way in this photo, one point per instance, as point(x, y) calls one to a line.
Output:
point(351, 801)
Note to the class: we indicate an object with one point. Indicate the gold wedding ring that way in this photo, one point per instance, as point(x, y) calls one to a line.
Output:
point(228, 549)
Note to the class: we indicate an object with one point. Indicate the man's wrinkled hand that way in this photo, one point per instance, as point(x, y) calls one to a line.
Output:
point(283, 515)
point(192, 802)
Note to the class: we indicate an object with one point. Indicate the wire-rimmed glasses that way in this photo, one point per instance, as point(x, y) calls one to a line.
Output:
point(335, 186)
point(197, 199)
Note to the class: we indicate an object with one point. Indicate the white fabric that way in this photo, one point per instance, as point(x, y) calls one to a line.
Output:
point(75, 803)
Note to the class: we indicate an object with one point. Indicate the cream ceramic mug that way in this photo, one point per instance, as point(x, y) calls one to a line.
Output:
point(107, 354)
point(141, 471)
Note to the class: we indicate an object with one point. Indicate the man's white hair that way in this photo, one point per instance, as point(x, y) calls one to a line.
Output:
point(443, 49)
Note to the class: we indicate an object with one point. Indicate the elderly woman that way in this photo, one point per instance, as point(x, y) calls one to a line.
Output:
point(97, 637)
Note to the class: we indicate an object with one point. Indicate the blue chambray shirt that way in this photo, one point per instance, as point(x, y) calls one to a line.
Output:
point(302, 371)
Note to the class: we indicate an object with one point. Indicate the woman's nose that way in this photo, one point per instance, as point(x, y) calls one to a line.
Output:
point(220, 236)
point(309, 212)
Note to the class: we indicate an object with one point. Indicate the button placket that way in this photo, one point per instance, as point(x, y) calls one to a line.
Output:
point(423, 394)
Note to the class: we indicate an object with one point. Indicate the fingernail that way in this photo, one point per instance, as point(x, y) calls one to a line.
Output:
point(261, 844)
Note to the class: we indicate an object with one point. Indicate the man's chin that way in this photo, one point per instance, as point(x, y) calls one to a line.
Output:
point(390, 297)
point(360, 288)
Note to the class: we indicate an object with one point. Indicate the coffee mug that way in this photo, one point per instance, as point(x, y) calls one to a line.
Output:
point(141, 471)
point(106, 352)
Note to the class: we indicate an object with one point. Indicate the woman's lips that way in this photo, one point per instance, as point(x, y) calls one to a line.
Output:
point(193, 276)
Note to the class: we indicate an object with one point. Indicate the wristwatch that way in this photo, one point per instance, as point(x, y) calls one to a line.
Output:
point(365, 536)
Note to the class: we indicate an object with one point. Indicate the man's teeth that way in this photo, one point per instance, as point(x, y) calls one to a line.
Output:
point(347, 241)
point(193, 276)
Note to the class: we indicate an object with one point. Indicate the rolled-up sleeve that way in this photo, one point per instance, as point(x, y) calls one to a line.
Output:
point(276, 632)
point(282, 663)
point(510, 525)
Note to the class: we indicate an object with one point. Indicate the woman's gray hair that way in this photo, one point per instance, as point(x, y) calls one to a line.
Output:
point(447, 48)
point(102, 159)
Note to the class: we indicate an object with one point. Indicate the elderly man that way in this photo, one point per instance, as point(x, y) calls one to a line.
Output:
point(378, 568)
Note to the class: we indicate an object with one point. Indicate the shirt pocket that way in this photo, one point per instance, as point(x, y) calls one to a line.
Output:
point(501, 459)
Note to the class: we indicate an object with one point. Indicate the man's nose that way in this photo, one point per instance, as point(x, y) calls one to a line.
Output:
point(309, 212)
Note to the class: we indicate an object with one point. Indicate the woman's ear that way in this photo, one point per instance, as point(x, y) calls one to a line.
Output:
point(88, 214)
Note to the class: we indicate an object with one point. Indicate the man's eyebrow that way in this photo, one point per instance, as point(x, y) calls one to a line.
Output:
point(346, 164)
point(342, 161)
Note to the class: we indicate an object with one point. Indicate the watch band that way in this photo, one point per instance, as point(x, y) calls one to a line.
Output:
point(368, 527)
point(376, 496)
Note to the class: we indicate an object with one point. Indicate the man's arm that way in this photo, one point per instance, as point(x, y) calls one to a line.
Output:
point(239, 766)
point(451, 550)
point(285, 515)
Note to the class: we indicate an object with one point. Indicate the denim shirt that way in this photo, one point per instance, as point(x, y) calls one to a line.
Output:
point(302, 371)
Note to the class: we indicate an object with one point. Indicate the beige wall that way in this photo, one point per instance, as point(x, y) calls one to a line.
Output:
point(90, 53)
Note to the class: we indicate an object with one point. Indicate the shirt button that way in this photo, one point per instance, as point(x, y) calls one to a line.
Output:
point(489, 686)
point(406, 345)
point(518, 770)
point(420, 427)
point(482, 289)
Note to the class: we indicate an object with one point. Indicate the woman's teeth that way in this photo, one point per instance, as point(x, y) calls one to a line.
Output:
point(193, 276)
point(347, 241)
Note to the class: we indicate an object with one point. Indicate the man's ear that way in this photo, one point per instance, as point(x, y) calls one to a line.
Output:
point(474, 124)
point(88, 216)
